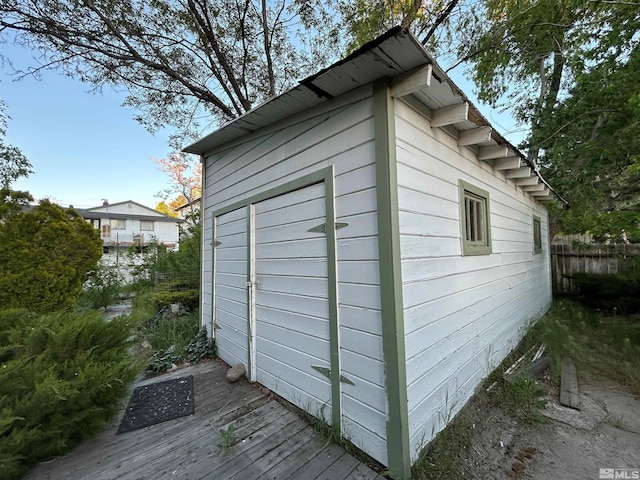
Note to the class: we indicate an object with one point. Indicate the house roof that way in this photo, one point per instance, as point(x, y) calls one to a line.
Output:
point(194, 202)
point(88, 214)
point(396, 54)
point(98, 212)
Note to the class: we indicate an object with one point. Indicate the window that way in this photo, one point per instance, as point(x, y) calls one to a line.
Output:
point(146, 226)
point(475, 226)
point(537, 235)
point(118, 224)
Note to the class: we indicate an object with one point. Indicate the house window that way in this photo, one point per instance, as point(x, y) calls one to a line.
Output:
point(537, 235)
point(146, 226)
point(118, 224)
point(475, 226)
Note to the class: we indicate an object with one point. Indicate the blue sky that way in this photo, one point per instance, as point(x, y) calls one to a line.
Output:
point(85, 147)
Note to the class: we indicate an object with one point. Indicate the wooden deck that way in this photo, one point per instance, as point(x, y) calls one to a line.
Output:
point(269, 442)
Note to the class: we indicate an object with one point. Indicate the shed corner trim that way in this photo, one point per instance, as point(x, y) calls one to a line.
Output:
point(398, 449)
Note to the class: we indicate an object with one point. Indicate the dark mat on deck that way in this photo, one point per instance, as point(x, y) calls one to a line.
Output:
point(158, 402)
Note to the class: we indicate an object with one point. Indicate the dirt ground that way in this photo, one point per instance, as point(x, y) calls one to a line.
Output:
point(565, 444)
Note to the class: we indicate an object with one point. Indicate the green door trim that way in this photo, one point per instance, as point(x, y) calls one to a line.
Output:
point(398, 449)
point(326, 176)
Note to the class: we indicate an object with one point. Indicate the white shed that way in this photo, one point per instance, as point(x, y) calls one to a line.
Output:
point(372, 248)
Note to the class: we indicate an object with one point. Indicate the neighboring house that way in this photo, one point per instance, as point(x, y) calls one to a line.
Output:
point(187, 208)
point(372, 248)
point(128, 223)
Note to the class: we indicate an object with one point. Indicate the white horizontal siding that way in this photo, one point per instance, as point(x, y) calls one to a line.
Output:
point(342, 136)
point(462, 314)
point(230, 301)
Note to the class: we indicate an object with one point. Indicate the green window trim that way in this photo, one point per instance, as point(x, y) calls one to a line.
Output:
point(475, 220)
point(537, 235)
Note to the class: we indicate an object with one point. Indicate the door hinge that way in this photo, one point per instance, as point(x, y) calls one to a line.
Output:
point(327, 373)
point(322, 228)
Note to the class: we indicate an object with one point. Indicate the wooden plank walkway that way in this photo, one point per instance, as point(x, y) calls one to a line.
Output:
point(269, 442)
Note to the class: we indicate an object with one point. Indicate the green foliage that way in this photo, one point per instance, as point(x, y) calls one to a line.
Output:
point(227, 438)
point(569, 71)
point(527, 395)
point(46, 254)
point(159, 265)
point(103, 287)
point(591, 149)
point(162, 360)
point(184, 60)
point(200, 347)
point(429, 21)
point(444, 456)
point(62, 377)
point(13, 163)
point(608, 292)
point(188, 298)
point(602, 345)
point(167, 331)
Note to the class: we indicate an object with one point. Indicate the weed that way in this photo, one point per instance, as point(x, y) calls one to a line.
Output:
point(227, 438)
point(443, 458)
point(166, 330)
point(526, 395)
point(618, 422)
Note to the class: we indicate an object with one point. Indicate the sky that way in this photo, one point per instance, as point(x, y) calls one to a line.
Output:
point(86, 147)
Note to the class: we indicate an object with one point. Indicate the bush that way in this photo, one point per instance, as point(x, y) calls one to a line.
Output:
point(45, 256)
point(190, 299)
point(606, 292)
point(63, 378)
point(103, 287)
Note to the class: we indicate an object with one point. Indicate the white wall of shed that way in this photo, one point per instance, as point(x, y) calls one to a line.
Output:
point(463, 314)
point(338, 133)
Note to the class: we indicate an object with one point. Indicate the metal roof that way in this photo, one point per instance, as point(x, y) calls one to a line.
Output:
point(395, 53)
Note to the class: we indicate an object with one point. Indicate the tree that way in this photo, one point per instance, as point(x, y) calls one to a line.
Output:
point(180, 60)
point(45, 256)
point(162, 207)
point(364, 20)
point(591, 149)
point(13, 163)
point(559, 65)
point(185, 177)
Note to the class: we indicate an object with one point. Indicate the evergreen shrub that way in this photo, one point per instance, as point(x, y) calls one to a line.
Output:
point(62, 378)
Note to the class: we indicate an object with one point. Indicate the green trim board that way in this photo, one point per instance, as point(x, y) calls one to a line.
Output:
point(326, 176)
point(214, 244)
point(250, 288)
point(312, 178)
point(398, 448)
point(332, 279)
point(475, 219)
point(537, 234)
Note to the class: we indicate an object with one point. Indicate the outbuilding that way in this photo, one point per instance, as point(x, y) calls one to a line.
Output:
point(372, 247)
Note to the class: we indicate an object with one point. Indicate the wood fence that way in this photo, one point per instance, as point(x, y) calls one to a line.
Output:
point(570, 255)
